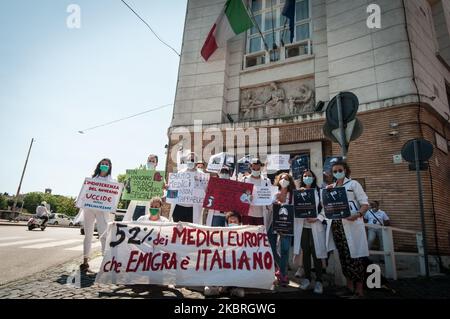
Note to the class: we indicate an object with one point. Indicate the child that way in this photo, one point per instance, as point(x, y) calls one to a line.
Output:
point(155, 212)
point(232, 219)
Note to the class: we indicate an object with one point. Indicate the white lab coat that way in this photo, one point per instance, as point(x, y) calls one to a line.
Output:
point(355, 231)
point(318, 232)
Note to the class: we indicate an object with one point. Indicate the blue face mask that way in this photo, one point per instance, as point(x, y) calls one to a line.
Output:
point(233, 225)
point(308, 180)
point(339, 175)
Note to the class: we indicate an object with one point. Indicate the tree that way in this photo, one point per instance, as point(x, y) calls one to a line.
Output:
point(58, 203)
point(3, 202)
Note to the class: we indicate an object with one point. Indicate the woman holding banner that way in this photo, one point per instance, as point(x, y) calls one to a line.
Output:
point(309, 236)
point(90, 216)
point(349, 234)
point(286, 187)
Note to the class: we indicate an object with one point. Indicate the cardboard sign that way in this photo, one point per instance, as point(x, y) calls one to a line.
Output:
point(305, 203)
point(335, 203)
point(228, 195)
point(264, 195)
point(186, 255)
point(142, 185)
point(283, 219)
point(99, 195)
point(277, 162)
point(187, 188)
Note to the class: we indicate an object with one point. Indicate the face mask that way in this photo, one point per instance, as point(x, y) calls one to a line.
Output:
point(256, 173)
point(339, 175)
point(190, 165)
point(151, 165)
point(308, 180)
point(232, 225)
point(284, 183)
point(224, 176)
point(104, 168)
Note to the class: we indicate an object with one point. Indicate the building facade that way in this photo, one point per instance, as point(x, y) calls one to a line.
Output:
point(399, 72)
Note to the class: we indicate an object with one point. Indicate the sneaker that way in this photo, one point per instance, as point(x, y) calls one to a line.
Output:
point(318, 288)
point(300, 272)
point(238, 292)
point(211, 291)
point(305, 284)
point(284, 280)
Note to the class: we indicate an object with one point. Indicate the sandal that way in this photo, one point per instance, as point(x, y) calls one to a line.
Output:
point(84, 268)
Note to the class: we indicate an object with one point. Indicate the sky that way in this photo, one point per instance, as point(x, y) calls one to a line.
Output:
point(56, 81)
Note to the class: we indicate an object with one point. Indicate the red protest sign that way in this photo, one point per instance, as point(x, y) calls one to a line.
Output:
point(227, 195)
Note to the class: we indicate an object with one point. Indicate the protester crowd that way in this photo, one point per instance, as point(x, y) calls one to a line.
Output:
point(313, 241)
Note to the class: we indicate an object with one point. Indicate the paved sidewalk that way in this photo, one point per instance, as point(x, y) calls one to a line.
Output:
point(60, 283)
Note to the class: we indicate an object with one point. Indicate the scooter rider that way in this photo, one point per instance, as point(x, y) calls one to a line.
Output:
point(43, 213)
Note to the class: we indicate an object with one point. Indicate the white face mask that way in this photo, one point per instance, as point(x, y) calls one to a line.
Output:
point(190, 165)
point(256, 173)
point(284, 183)
point(224, 176)
point(151, 165)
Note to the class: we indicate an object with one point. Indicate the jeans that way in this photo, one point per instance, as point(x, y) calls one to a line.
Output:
point(282, 259)
point(307, 244)
point(45, 220)
point(372, 234)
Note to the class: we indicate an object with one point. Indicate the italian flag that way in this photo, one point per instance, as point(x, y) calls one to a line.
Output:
point(233, 20)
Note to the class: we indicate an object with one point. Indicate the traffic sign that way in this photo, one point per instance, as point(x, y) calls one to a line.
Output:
point(349, 103)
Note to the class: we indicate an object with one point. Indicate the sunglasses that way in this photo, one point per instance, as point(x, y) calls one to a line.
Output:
point(338, 171)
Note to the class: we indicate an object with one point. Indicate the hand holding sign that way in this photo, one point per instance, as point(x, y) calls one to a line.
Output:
point(335, 203)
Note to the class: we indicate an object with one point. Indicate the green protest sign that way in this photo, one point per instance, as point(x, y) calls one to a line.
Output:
point(143, 184)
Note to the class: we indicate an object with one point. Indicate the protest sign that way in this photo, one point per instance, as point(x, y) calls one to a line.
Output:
point(142, 185)
point(278, 162)
point(283, 219)
point(228, 195)
point(335, 203)
point(264, 195)
point(187, 188)
point(305, 203)
point(216, 163)
point(244, 164)
point(186, 255)
point(298, 165)
point(99, 195)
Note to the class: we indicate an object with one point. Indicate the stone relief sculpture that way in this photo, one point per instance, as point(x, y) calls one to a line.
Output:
point(278, 100)
point(302, 103)
point(274, 103)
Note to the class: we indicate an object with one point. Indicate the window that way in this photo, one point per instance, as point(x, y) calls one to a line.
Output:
point(275, 29)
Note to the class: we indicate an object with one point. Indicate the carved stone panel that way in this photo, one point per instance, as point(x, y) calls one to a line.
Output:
point(278, 99)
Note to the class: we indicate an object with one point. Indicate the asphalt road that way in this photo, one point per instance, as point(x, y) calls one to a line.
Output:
point(24, 253)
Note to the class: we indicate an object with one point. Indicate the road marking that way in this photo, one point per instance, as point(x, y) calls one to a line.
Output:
point(24, 242)
point(9, 238)
point(53, 244)
point(80, 248)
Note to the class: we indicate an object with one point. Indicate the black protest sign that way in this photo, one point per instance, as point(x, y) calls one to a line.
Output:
point(335, 203)
point(305, 203)
point(283, 219)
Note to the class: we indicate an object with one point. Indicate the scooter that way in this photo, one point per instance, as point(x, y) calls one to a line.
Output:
point(36, 222)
